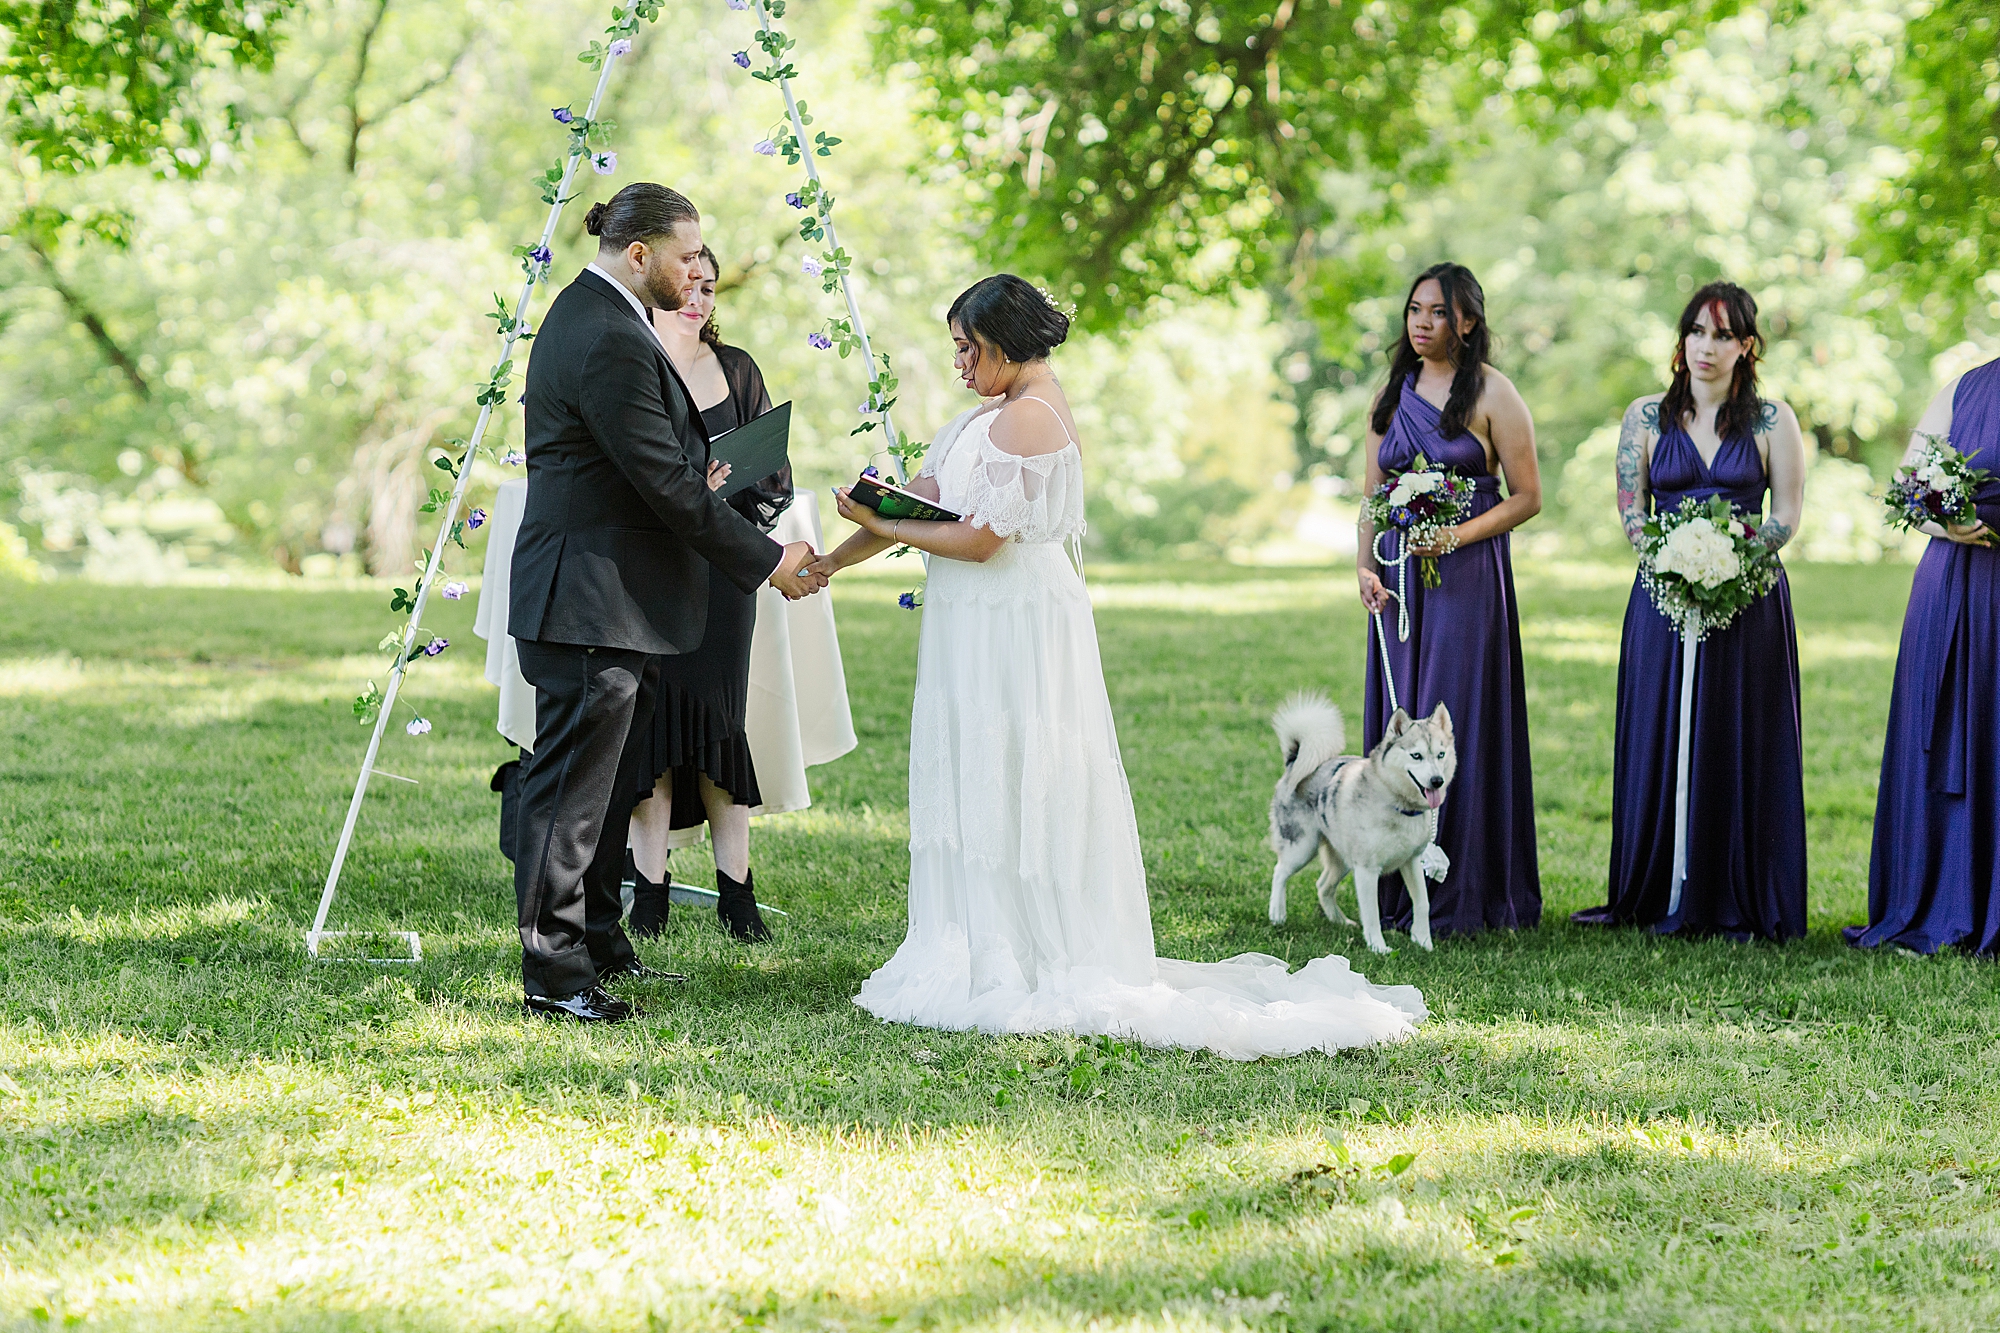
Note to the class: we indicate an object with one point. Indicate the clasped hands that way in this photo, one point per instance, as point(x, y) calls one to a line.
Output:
point(801, 571)
point(798, 573)
point(870, 522)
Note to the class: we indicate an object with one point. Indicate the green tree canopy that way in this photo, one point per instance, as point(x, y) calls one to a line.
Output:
point(89, 83)
point(1125, 151)
point(1938, 228)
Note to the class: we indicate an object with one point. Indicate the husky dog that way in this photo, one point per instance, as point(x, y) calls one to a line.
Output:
point(1365, 815)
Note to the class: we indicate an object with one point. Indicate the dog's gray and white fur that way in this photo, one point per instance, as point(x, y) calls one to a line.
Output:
point(1364, 815)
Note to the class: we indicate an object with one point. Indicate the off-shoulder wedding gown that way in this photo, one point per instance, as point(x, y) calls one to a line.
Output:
point(1028, 908)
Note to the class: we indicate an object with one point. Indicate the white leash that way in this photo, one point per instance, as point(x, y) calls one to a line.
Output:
point(1433, 863)
point(1401, 564)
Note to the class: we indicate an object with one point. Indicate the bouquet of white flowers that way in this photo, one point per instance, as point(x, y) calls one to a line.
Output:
point(1702, 565)
point(1938, 486)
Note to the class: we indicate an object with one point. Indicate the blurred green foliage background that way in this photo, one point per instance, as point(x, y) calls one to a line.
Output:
point(247, 247)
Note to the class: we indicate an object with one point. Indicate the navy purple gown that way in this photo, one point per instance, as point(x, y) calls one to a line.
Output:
point(1464, 651)
point(1934, 876)
point(1746, 873)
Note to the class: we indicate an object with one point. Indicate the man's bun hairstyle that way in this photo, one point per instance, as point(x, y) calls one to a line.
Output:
point(1012, 314)
point(642, 211)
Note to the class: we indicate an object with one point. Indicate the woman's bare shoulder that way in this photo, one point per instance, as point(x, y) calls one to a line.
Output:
point(1029, 426)
point(1496, 388)
point(1501, 408)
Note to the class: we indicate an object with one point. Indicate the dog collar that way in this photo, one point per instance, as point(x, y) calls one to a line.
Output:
point(1409, 814)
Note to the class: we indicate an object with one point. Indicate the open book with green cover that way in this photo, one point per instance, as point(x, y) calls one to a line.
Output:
point(892, 501)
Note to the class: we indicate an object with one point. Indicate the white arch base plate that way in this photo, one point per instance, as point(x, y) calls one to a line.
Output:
point(314, 940)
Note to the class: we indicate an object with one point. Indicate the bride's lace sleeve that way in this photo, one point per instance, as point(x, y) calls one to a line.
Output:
point(1037, 498)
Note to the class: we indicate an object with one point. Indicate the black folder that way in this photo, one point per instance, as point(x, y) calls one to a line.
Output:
point(755, 449)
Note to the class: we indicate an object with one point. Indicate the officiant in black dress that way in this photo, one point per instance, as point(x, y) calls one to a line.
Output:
point(699, 765)
point(611, 571)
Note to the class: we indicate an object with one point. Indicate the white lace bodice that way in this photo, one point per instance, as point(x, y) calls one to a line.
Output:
point(1033, 499)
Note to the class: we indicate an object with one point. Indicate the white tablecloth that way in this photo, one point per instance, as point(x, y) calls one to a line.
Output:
point(489, 621)
point(798, 714)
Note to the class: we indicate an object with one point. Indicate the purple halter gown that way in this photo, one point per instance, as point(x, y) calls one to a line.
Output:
point(1746, 871)
point(1464, 651)
point(1934, 876)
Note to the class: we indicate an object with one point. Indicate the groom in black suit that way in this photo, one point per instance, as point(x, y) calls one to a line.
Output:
point(610, 570)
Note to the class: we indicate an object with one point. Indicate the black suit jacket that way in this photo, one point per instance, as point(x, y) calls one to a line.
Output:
point(620, 526)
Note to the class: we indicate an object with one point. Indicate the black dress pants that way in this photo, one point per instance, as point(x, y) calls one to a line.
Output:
point(575, 808)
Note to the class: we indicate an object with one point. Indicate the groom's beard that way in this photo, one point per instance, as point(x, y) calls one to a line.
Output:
point(663, 289)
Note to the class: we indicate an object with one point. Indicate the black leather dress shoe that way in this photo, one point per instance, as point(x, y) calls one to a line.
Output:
point(637, 971)
point(595, 1005)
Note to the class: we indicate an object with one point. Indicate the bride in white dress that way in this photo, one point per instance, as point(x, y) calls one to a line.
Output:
point(1028, 909)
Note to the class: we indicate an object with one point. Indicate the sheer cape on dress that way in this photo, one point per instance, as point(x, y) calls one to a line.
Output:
point(1028, 908)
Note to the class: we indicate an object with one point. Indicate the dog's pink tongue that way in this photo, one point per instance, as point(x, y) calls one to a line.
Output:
point(1434, 797)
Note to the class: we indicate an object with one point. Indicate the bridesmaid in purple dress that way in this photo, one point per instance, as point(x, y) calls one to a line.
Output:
point(1710, 434)
point(1934, 878)
point(1464, 648)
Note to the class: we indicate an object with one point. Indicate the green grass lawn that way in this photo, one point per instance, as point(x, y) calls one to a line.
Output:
point(1593, 1130)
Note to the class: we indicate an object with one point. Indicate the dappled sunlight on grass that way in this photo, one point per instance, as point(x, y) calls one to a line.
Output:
point(1537, 575)
point(1594, 1130)
point(156, 923)
point(1820, 649)
point(330, 1192)
point(890, 821)
point(1570, 639)
point(194, 696)
point(1249, 597)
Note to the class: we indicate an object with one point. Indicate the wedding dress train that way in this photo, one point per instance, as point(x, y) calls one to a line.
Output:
point(1028, 908)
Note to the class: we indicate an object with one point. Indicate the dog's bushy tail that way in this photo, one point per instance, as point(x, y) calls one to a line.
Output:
point(1310, 732)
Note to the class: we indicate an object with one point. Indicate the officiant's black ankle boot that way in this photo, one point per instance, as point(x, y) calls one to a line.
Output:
point(736, 908)
point(650, 903)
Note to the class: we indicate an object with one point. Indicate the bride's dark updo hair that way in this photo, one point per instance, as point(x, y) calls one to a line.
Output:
point(1012, 314)
point(639, 212)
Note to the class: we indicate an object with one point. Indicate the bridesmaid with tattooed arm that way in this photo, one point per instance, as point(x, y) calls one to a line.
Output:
point(1710, 434)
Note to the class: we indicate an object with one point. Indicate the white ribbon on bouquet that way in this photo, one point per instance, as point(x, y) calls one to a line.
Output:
point(1690, 651)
